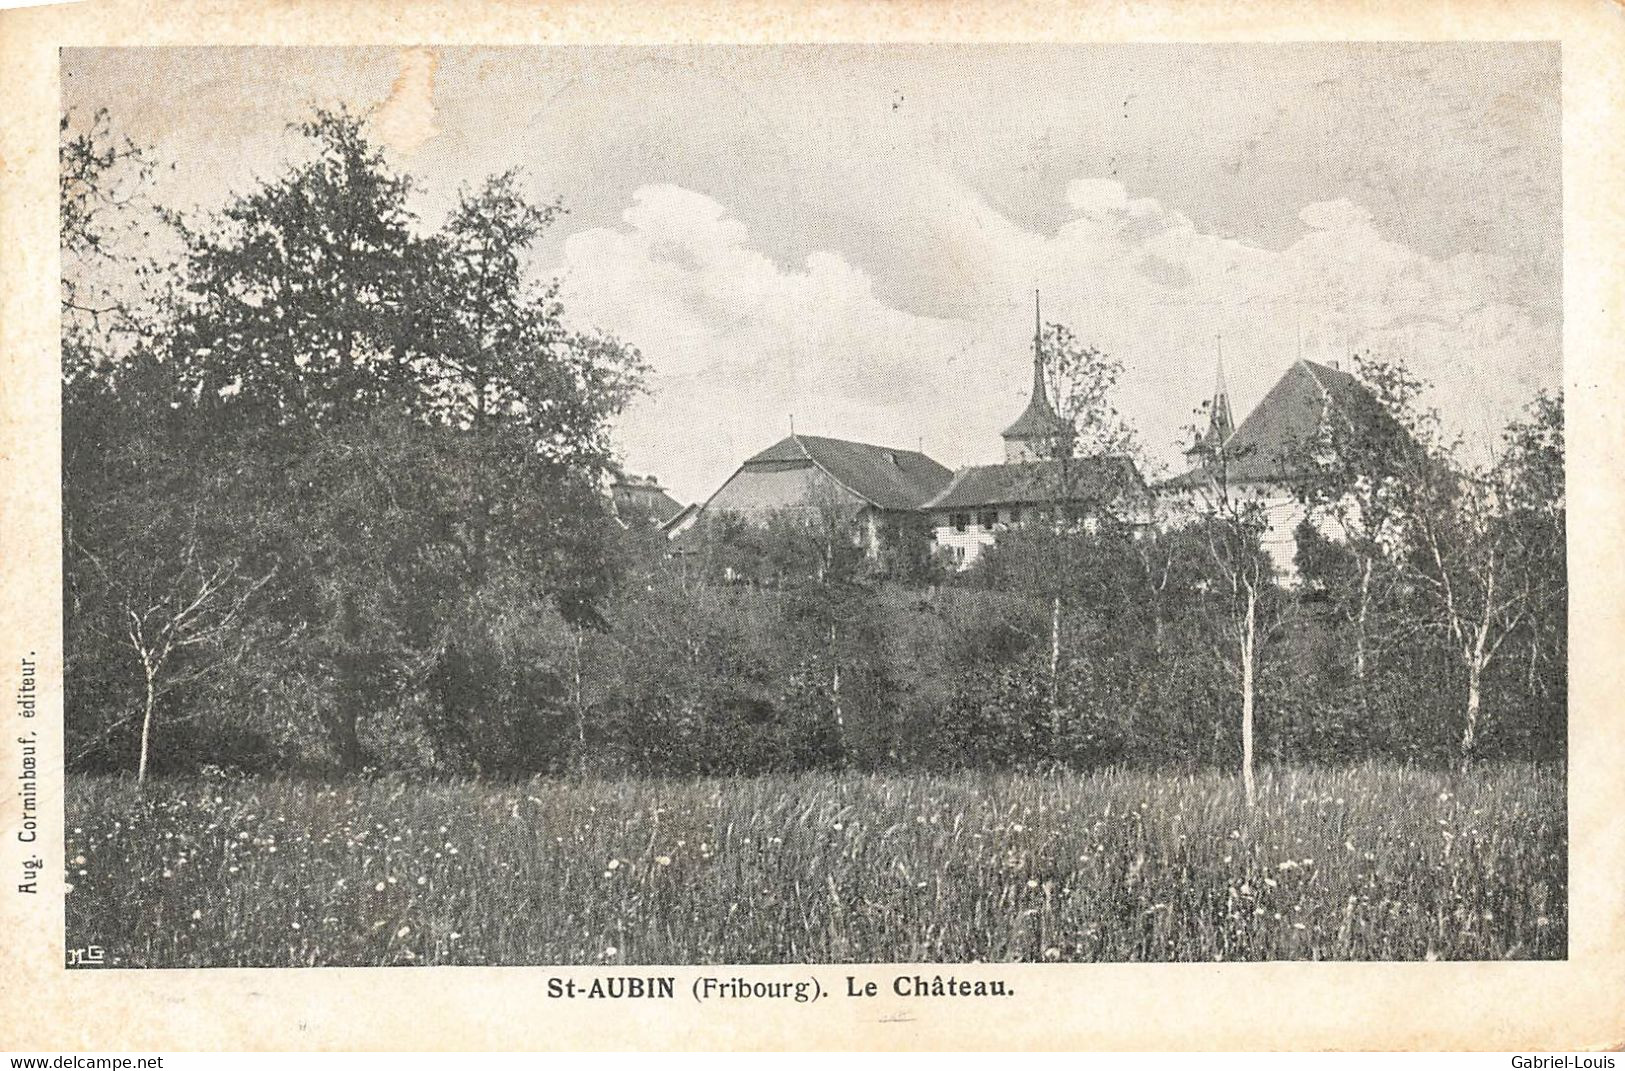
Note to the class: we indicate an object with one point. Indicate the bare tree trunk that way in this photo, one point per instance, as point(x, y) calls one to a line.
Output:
point(146, 727)
point(835, 693)
point(577, 701)
point(1477, 658)
point(1055, 669)
point(1360, 627)
point(1469, 736)
point(1248, 651)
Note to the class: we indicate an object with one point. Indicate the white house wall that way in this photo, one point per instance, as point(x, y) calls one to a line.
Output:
point(966, 546)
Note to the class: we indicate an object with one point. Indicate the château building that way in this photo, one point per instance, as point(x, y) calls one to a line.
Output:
point(884, 491)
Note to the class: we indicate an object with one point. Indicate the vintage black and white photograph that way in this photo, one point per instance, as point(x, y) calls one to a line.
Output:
point(840, 503)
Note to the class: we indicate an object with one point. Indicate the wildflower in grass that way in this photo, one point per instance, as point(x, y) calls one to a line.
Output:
point(197, 914)
point(78, 860)
point(403, 931)
point(613, 864)
point(663, 860)
point(380, 887)
point(423, 879)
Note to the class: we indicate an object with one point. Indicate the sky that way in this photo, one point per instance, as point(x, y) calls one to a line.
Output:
point(850, 237)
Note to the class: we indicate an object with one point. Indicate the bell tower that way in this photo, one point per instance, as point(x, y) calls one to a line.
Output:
point(1032, 436)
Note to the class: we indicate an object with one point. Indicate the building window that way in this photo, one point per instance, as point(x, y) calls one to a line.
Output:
point(960, 521)
point(988, 518)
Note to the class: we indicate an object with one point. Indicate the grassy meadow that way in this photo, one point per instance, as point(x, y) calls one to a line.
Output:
point(1371, 862)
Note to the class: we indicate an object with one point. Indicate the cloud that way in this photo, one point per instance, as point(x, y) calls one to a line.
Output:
point(739, 342)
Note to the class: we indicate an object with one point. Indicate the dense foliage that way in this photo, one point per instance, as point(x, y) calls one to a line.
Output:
point(334, 496)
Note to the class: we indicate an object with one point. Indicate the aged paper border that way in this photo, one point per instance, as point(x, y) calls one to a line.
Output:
point(1577, 1004)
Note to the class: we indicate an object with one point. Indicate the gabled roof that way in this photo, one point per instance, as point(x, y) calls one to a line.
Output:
point(884, 476)
point(1289, 415)
point(1095, 478)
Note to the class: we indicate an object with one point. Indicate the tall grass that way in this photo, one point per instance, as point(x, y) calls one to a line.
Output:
point(1365, 863)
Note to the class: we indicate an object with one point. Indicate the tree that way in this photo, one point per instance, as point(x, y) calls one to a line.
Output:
point(529, 403)
point(103, 178)
point(1241, 587)
point(148, 576)
point(1353, 475)
point(1487, 551)
point(302, 295)
point(398, 418)
point(151, 566)
point(532, 398)
point(1085, 474)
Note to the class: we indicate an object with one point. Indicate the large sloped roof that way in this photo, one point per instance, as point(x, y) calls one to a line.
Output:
point(1288, 416)
point(1038, 481)
point(886, 476)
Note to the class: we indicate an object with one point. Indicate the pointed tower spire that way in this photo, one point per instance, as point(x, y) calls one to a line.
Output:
point(1038, 423)
point(1220, 422)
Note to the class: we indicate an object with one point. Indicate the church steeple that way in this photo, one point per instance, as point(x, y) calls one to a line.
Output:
point(1024, 440)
